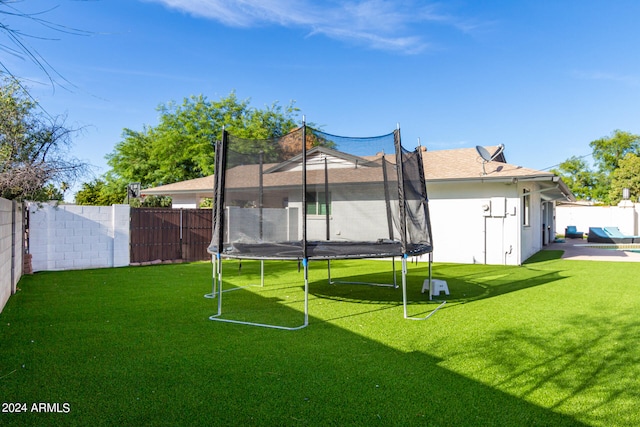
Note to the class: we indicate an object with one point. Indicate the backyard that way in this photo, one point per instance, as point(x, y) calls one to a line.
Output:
point(552, 342)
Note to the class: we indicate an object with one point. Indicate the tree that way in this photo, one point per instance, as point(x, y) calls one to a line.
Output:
point(627, 175)
point(608, 153)
point(96, 193)
point(181, 146)
point(580, 179)
point(34, 148)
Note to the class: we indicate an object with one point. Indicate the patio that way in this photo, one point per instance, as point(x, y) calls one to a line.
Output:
point(580, 250)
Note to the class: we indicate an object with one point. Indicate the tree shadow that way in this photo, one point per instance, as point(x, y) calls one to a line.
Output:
point(590, 362)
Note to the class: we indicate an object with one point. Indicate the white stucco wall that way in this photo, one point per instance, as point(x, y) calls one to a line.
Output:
point(475, 222)
point(530, 235)
point(583, 217)
point(357, 214)
point(184, 201)
point(77, 237)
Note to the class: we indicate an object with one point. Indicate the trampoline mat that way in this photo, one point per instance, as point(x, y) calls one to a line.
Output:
point(321, 250)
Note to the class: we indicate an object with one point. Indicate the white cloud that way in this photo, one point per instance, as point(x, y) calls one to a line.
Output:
point(379, 24)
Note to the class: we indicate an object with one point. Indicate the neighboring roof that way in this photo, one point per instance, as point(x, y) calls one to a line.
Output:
point(316, 155)
point(442, 165)
point(197, 185)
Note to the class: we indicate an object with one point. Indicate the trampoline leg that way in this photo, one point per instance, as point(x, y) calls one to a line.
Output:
point(329, 271)
point(306, 293)
point(262, 273)
point(395, 280)
point(217, 317)
point(430, 275)
point(404, 292)
point(404, 286)
point(214, 271)
point(219, 265)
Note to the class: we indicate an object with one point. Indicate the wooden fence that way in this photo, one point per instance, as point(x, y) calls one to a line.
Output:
point(170, 234)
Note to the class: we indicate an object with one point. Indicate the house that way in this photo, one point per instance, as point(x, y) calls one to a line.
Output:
point(487, 212)
point(185, 194)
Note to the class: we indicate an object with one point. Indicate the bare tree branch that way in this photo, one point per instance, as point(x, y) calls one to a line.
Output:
point(15, 41)
point(34, 147)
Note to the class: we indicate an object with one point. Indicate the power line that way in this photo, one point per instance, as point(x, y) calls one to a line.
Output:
point(579, 158)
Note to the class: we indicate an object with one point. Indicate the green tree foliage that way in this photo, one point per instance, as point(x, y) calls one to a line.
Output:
point(181, 146)
point(97, 193)
point(206, 203)
point(627, 175)
point(580, 179)
point(34, 148)
point(609, 151)
point(597, 184)
point(100, 193)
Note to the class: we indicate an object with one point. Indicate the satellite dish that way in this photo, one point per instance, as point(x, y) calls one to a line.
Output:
point(488, 157)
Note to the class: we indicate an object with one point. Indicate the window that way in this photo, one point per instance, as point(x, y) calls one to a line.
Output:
point(526, 208)
point(317, 204)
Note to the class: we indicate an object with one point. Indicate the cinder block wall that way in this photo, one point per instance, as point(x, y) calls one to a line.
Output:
point(11, 248)
point(78, 237)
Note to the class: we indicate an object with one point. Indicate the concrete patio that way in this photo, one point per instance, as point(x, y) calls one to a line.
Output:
point(577, 249)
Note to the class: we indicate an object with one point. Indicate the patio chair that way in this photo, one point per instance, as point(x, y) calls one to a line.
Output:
point(609, 235)
point(570, 232)
point(617, 234)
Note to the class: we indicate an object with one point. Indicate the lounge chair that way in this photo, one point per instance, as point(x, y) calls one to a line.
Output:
point(570, 232)
point(616, 233)
point(610, 235)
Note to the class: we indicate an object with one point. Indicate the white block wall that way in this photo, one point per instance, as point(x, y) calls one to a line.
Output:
point(10, 248)
point(5, 250)
point(624, 217)
point(77, 237)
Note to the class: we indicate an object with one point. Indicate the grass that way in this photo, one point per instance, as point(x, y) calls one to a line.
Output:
point(553, 342)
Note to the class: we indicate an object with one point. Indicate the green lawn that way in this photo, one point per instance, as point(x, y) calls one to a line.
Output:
point(553, 342)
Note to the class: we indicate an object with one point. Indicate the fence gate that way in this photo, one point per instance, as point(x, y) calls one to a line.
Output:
point(170, 234)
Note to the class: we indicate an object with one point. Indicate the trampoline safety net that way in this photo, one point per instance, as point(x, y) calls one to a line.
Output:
point(312, 195)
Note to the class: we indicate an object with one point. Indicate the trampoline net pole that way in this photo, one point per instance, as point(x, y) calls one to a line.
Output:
point(401, 195)
point(387, 198)
point(327, 201)
point(304, 190)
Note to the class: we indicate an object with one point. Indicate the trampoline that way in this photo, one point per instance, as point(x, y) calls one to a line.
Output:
point(312, 196)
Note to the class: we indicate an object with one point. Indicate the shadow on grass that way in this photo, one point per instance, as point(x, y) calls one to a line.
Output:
point(152, 358)
point(466, 283)
point(544, 256)
point(590, 361)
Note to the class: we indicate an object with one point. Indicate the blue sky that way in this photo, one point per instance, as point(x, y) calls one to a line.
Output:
point(544, 78)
